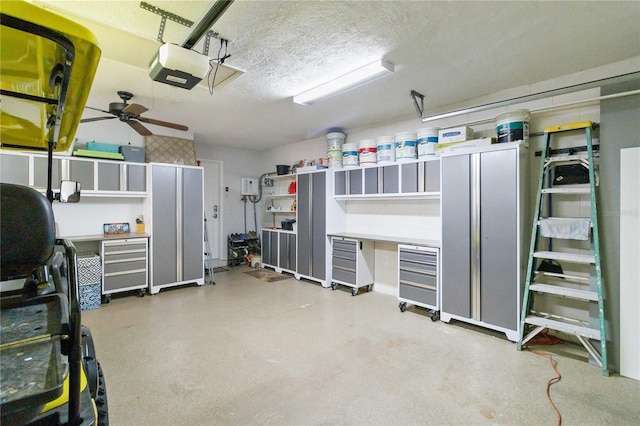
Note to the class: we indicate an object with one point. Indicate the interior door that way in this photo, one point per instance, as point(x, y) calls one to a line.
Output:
point(213, 207)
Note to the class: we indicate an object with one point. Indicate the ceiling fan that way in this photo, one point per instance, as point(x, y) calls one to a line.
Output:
point(130, 114)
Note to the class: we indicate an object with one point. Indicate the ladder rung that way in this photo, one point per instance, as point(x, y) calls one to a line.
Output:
point(567, 190)
point(575, 158)
point(565, 276)
point(569, 257)
point(569, 126)
point(577, 330)
point(565, 292)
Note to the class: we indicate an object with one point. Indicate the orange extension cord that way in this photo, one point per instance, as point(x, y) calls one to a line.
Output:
point(545, 339)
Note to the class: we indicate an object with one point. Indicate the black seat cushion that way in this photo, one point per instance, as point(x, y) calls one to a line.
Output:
point(27, 231)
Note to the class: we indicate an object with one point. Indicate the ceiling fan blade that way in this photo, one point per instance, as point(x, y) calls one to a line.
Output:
point(87, 120)
point(163, 123)
point(139, 128)
point(134, 109)
point(97, 109)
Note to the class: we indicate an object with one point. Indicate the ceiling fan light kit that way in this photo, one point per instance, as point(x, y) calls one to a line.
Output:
point(351, 80)
point(178, 66)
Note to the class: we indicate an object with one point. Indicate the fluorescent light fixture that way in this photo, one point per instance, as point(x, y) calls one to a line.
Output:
point(351, 80)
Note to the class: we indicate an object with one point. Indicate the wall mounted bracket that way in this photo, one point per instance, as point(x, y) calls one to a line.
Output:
point(165, 15)
point(419, 108)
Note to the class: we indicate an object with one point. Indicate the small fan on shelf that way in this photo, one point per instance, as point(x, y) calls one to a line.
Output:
point(130, 114)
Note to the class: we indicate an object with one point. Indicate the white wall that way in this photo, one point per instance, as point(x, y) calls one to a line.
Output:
point(88, 216)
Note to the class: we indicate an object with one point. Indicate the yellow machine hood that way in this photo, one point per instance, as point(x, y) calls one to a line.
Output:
point(47, 65)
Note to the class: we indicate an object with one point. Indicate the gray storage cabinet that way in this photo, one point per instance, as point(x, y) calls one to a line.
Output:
point(287, 251)
point(482, 265)
point(352, 263)
point(269, 252)
point(177, 226)
point(279, 250)
point(419, 278)
point(311, 220)
point(124, 266)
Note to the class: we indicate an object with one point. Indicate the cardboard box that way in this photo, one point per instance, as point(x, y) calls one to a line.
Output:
point(455, 146)
point(455, 134)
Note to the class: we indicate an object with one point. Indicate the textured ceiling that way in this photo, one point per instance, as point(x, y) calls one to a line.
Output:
point(450, 51)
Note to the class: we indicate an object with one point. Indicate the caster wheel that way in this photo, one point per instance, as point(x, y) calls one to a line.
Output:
point(369, 287)
point(334, 286)
point(107, 298)
point(142, 292)
point(402, 306)
point(434, 315)
point(354, 291)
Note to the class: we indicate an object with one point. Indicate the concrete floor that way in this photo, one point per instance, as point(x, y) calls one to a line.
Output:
point(248, 352)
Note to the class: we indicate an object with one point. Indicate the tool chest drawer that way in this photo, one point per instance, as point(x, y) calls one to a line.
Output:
point(345, 246)
point(418, 277)
point(125, 265)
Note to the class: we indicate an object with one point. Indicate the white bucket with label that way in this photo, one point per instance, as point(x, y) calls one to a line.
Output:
point(368, 149)
point(350, 155)
point(406, 147)
point(386, 150)
point(427, 141)
point(335, 158)
point(513, 126)
point(334, 149)
point(335, 140)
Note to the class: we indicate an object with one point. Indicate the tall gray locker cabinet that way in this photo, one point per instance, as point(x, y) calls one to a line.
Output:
point(482, 245)
point(312, 229)
point(177, 233)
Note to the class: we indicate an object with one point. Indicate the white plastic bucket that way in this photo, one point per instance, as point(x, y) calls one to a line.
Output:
point(350, 155)
point(335, 158)
point(386, 150)
point(368, 149)
point(335, 140)
point(406, 146)
point(427, 141)
point(513, 126)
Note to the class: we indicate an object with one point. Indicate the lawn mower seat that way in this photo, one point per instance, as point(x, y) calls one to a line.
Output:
point(27, 231)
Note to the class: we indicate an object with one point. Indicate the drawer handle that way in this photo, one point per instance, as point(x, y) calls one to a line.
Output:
point(420, 252)
point(133, 259)
point(109, 253)
point(133, 271)
point(344, 258)
point(419, 263)
point(419, 271)
point(411, 283)
point(342, 268)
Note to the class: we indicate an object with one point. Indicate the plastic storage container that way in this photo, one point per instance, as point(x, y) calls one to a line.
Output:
point(334, 149)
point(386, 150)
point(406, 146)
point(350, 155)
point(427, 141)
point(513, 126)
point(367, 149)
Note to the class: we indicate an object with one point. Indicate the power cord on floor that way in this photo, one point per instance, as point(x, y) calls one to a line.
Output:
point(543, 338)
